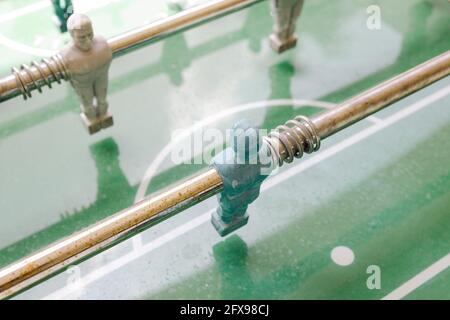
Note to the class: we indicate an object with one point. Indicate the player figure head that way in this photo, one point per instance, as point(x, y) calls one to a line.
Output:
point(246, 142)
point(80, 29)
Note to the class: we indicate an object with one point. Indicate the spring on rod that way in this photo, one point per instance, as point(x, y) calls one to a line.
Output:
point(57, 71)
point(292, 140)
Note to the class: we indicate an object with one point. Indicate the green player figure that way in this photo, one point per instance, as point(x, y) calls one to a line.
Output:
point(243, 167)
point(63, 10)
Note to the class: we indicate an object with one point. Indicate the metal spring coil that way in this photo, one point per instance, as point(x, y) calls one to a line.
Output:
point(292, 140)
point(55, 65)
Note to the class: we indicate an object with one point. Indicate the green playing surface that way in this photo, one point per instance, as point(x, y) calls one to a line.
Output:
point(380, 188)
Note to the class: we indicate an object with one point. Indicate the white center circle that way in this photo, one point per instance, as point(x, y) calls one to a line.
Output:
point(342, 256)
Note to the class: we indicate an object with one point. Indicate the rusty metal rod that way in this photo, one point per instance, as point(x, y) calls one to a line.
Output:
point(149, 211)
point(382, 95)
point(296, 136)
point(152, 210)
point(29, 78)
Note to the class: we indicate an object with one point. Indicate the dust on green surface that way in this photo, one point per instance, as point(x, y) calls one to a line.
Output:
point(402, 235)
point(424, 31)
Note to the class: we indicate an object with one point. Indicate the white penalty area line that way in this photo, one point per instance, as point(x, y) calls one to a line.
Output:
point(165, 152)
point(161, 156)
point(289, 173)
point(415, 282)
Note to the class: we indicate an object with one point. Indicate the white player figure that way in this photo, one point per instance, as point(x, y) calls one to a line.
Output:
point(88, 59)
point(286, 14)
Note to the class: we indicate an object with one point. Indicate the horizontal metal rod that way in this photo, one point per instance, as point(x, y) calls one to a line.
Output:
point(179, 22)
point(148, 211)
point(45, 73)
point(152, 210)
point(382, 95)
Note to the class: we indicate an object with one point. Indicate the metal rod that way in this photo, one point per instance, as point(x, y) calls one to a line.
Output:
point(153, 210)
point(290, 141)
point(23, 81)
point(149, 211)
point(181, 21)
point(381, 96)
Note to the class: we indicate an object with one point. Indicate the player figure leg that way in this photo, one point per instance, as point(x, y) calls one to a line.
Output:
point(286, 14)
point(88, 110)
point(101, 90)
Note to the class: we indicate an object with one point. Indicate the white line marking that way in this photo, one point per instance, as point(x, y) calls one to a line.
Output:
point(415, 282)
point(139, 248)
point(133, 255)
point(321, 155)
point(151, 170)
point(24, 11)
point(23, 48)
point(162, 155)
